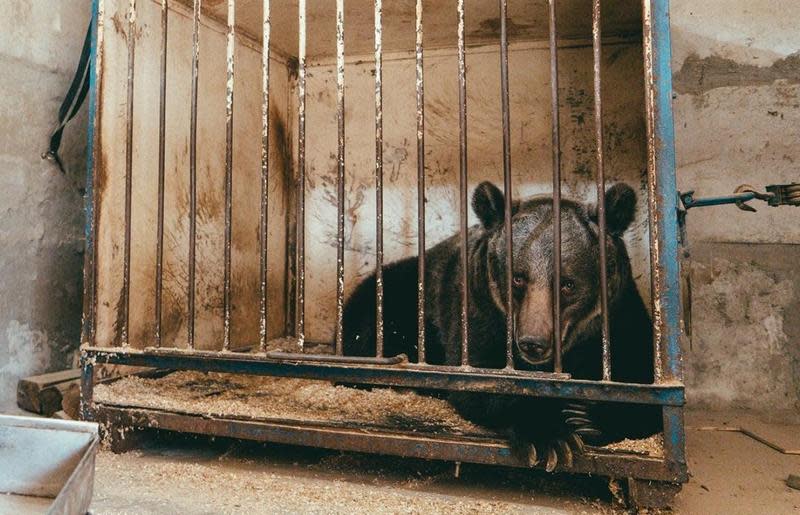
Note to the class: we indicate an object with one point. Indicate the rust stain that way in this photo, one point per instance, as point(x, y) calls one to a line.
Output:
point(699, 76)
point(210, 202)
point(120, 24)
point(119, 320)
point(282, 141)
point(491, 28)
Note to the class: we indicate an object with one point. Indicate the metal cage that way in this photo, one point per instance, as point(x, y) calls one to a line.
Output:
point(667, 392)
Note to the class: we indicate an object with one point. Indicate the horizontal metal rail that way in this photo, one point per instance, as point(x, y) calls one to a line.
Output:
point(409, 376)
point(425, 446)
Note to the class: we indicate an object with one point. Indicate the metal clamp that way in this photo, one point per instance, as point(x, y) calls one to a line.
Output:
point(776, 195)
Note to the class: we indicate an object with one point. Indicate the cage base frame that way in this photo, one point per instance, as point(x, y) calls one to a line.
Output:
point(128, 420)
point(651, 481)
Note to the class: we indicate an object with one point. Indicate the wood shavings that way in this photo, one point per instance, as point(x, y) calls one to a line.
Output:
point(247, 396)
point(137, 483)
point(653, 446)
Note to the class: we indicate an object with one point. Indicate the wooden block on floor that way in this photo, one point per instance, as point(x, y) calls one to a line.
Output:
point(43, 394)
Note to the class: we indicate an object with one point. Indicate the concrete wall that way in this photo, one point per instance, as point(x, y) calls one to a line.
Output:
point(736, 67)
point(41, 227)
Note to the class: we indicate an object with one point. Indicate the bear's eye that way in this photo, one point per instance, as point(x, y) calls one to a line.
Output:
point(519, 281)
point(567, 287)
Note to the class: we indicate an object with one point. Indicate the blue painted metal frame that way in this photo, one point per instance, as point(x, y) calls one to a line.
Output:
point(406, 375)
point(87, 326)
point(666, 190)
point(664, 196)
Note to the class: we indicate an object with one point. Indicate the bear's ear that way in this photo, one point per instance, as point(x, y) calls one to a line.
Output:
point(620, 208)
point(489, 204)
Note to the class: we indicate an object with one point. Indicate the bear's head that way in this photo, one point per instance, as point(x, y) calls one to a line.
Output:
point(532, 277)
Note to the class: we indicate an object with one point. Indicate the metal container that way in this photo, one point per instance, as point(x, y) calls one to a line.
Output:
point(47, 465)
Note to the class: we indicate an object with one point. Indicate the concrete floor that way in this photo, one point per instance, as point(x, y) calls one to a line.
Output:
point(731, 473)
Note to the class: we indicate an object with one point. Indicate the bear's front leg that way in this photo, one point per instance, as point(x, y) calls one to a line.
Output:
point(541, 427)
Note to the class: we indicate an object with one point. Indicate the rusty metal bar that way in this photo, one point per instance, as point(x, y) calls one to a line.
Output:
point(597, 55)
point(674, 434)
point(264, 229)
point(649, 87)
point(379, 177)
point(556, 128)
point(463, 183)
point(340, 175)
point(507, 382)
point(420, 184)
point(87, 388)
point(162, 146)
point(95, 164)
point(427, 446)
point(330, 358)
point(507, 183)
point(230, 53)
point(126, 279)
point(662, 192)
point(193, 170)
point(301, 175)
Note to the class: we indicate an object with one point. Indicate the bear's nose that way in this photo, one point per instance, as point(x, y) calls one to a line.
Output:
point(534, 347)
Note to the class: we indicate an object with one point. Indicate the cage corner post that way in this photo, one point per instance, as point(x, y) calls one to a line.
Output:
point(662, 189)
point(87, 388)
point(90, 260)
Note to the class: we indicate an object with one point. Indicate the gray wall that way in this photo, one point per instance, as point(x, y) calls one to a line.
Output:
point(41, 226)
point(737, 119)
point(736, 68)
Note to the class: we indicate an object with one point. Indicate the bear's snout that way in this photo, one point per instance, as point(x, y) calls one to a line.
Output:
point(534, 350)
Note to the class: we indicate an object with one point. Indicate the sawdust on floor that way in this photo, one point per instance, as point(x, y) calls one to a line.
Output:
point(254, 479)
point(306, 400)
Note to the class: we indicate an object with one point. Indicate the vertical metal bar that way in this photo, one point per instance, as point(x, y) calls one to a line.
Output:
point(193, 171)
point(301, 177)
point(463, 184)
point(507, 182)
point(230, 58)
point(420, 185)
point(597, 54)
point(264, 174)
point(379, 177)
point(87, 389)
point(126, 280)
point(674, 435)
point(662, 197)
point(94, 164)
point(556, 186)
point(162, 129)
point(340, 173)
point(662, 204)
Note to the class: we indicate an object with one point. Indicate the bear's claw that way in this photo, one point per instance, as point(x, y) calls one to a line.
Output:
point(578, 418)
point(552, 460)
point(560, 451)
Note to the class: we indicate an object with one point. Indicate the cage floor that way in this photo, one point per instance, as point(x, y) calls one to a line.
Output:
point(258, 398)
